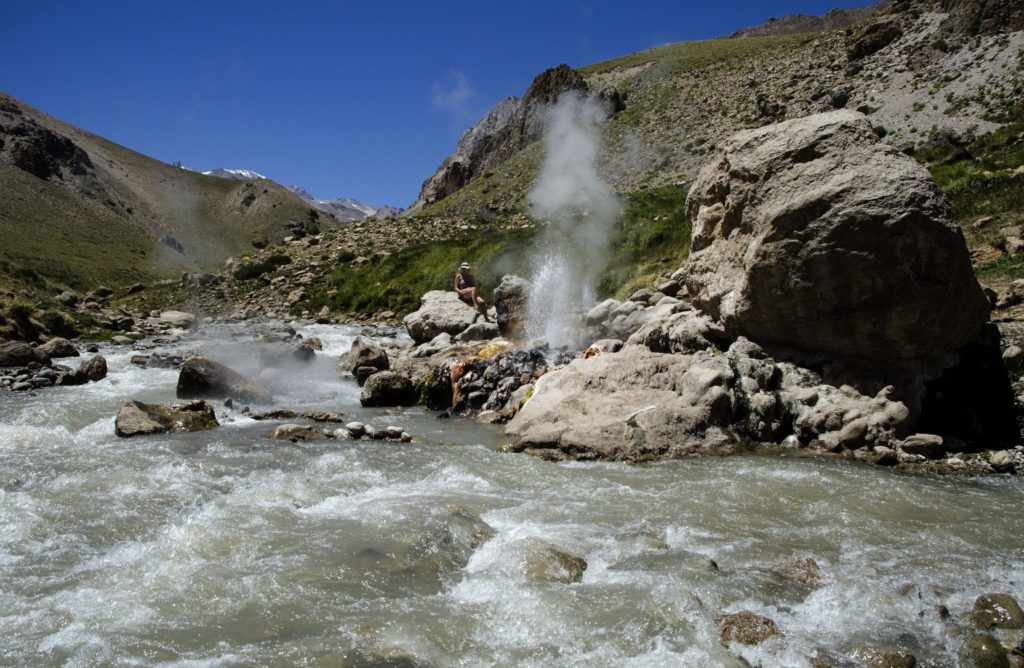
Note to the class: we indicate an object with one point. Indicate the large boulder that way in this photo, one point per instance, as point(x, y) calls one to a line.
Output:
point(440, 311)
point(18, 353)
point(203, 378)
point(388, 388)
point(138, 419)
point(92, 369)
point(634, 405)
point(813, 234)
point(59, 347)
point(364, 353)
point(510, 299)
point(179, 319)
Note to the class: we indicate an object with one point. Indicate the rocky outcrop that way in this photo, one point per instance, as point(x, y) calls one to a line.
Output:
point(510, 299)
point(363, 355)
point(203, 378)
point(441, 311)
point(507, 128)
point(138, 419)
point(813, 234)
point(638, 405)
point(982, 17)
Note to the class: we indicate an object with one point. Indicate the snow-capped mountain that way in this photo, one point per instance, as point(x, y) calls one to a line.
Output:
point(345, 209)
point(342, 209)
point(240, 174)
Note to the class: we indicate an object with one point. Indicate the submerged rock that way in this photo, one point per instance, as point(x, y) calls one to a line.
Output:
point(297, 432)
point(998, 611)
point(817, 219)
point(203, 378)
point(138, 419)
point(546, 564)
point(746, 628)
point(983, 651)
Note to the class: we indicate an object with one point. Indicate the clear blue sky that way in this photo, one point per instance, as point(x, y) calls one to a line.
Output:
point(350, 99)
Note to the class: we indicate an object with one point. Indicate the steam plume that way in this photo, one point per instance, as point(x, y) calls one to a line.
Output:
point(579, 210)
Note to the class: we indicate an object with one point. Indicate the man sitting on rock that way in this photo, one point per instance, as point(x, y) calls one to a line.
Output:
point(465, 285)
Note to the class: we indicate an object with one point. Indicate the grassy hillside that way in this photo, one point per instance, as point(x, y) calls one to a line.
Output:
point(76, 222)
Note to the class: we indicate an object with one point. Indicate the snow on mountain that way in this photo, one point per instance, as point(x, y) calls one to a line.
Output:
point(240, 174)
point(344, 209)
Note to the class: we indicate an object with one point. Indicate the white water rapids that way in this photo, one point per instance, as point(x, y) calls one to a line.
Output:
point(224, 548)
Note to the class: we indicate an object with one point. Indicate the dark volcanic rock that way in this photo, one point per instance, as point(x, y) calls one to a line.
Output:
point(873, 38)
point(816, 219)
point(203, 378)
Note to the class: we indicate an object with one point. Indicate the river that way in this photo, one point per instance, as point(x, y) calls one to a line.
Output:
point(225, 548)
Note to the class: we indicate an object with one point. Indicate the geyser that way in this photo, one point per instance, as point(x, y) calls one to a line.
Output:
point(578, 210)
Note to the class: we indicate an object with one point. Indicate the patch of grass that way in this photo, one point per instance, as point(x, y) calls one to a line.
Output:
point(397, 281)
point(653, 238)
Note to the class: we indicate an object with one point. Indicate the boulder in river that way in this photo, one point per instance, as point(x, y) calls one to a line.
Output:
point(983, 651)
point(18, 353)
point(201, 377)
point(364, 353)
point(179, 319)
point(138, 419)
point(851, 240)
point(998, 611)
point(92, 369)
point(546, 564)
point(59, 347)
point(297, 432)
point(746, 628)
point(440, 311)
point(387, 388)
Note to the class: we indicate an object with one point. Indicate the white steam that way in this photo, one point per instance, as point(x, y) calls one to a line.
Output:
point(579, 210)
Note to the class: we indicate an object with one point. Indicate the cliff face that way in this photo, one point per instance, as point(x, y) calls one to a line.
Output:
point(983, 17)
point(507, 128)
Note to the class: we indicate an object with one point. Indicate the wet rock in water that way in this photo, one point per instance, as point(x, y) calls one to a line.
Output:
point(355, 429)
point(929, 446)
point(93, 369)
point(201, 377)
point(667, 561)
point(802, 570)
point(297, 432)
point(373, 433)
point(480, 331)
point(983, 651)
point(18, 353)
point(59, 347)
point(510, 298)
point(366, 355)
point(440, 311)
point(138, 419)
point(998, 611)
point(178, 319)
point(121, 340)
point(387, 388)
point(392, 433)
point(323, 416)
point(890, 659)
point(276, 414)
point(546, 564)
point(848, 237)
point(746, 628)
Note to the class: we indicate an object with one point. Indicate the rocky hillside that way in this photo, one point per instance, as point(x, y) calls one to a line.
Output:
point(793, 24)
point(78, 210)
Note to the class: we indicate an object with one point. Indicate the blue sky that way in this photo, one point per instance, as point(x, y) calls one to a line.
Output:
point(351, 99)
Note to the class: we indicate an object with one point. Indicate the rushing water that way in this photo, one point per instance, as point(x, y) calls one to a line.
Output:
point(224, 548)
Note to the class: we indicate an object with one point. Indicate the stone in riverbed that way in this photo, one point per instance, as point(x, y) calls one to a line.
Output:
point(297, 432)
point(364, 353)
point(746, 628)
point(203, 378)
point(802, 570)
point(998, 611)
point(480, 331)
point(93, 369)
point(59, 347)
point(847, 236)
point(179, 319)
point(983, 651)
point(387, 388)
point(546, 564)
point(138, 419)
point(356, 429)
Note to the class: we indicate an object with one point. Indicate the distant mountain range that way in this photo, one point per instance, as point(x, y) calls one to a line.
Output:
point(342, 209)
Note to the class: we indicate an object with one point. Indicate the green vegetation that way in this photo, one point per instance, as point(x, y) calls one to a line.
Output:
point(652, 239)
